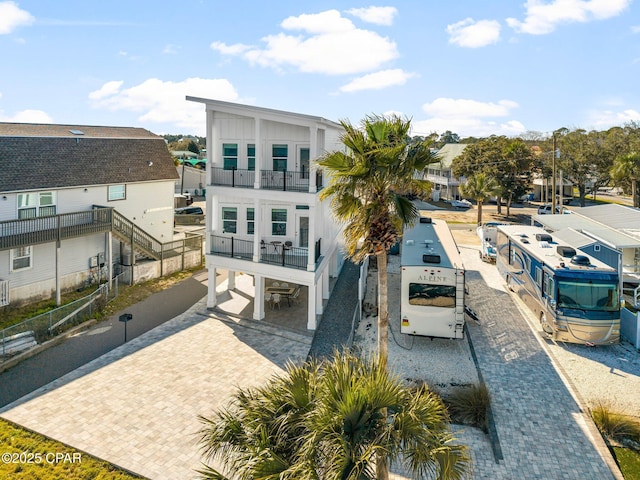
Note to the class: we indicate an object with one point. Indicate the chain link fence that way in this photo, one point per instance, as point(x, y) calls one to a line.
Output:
point(37, 330)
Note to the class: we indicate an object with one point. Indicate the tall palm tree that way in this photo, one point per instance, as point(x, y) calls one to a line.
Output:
point(627, 168)
point(480, 187)
point(326, 421)
point(367, 189)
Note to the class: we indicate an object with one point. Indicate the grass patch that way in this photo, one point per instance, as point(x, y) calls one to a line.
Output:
point(28, 455)
point(628, 461)
point(128, 295)
point(470, 406)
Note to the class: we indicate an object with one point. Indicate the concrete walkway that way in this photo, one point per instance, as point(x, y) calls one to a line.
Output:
point(137, 405)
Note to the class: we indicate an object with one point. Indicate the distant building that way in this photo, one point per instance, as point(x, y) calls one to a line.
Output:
point(445, 185)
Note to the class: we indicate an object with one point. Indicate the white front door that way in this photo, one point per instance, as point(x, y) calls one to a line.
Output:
point(302, 229)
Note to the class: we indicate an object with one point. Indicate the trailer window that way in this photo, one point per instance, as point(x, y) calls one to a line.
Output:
point(432, 295)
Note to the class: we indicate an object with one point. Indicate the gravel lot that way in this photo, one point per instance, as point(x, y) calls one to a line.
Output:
point(610, 374)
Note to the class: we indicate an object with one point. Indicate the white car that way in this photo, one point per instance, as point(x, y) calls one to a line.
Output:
point(462, 203)
point(546, 210)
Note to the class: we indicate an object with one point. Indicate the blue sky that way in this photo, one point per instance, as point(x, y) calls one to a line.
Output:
point(473, 67)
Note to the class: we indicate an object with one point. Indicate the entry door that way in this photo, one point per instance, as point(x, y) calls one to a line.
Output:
point(302, 230)
point(303, 167)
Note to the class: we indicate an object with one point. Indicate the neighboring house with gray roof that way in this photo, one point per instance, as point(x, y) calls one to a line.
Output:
point(61, 190)
point(445, 184)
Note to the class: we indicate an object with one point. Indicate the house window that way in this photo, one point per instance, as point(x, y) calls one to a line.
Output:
point(250, 221)
point(251, 156)
point(230, 156)
point(32, 205)
point(117, 192)
point(229, 219)
point(279, 221)
point(280, 154)
point(20, 258)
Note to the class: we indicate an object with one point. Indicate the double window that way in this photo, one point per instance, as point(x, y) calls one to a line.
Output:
point(279, 221)
point(251, 156)
point(229, 220)
point(230, 156)
point(32, 205)
point(280, 153)
point(21, 258)
point(117, 192)
point(250, 221)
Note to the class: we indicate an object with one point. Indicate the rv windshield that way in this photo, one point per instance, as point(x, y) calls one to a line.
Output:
point(432, 295)
point(588, 295)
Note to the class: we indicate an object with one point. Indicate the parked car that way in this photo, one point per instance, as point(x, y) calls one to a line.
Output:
point(546, 209)
point(189, 211)
point(462, 203)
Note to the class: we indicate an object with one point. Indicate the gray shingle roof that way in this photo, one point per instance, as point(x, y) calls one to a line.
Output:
point(47, 157)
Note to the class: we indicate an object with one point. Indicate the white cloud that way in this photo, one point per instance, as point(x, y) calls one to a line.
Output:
point(542, 18)
point(170, 49)
point(635, 29)
point(378, 80)
point(27, 116)
point(108, 89)
point(12, 17)
point(603, 119)
point(328, 44)
point(376, 15)
point(158, 101)
point(468, 118)
point(472, 34)
point(225, 49)
point(452, 107)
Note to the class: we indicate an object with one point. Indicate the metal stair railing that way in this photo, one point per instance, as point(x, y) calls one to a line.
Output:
point(140, 239)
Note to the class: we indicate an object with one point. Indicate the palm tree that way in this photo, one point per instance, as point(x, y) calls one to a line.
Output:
point(368, 187)
point(480, 187)
point(627, 168)
point(327, 421)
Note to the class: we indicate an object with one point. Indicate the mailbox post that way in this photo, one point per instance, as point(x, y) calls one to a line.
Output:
point(125, 318)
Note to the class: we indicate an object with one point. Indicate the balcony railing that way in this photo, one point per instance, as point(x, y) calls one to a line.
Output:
point(33, 231)
point(278, 254)
point(269, 179)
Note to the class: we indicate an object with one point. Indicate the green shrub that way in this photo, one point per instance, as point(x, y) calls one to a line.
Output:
point(470, 406)
point(616, 427)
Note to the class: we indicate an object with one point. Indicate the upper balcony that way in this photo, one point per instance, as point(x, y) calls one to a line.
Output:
point(287, 181)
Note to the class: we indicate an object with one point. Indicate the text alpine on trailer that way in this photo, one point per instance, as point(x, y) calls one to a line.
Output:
point(432, 281)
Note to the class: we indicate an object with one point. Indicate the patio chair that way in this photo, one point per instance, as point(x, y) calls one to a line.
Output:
point(295, 297)
point(284, 285)
point(288, 245)
point(275, 284)
point(275, 300)
point(267, 298)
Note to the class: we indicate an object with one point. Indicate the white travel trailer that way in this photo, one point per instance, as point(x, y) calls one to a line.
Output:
point(432, 282)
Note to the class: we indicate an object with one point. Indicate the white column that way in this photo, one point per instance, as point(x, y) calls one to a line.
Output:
point(258, 301)
point(311, 307)
point(211, 290)
point(313, 155)
point(325, 283)
point(211, 145)
point(257, 230)
point(319, 304)
point(311, 248)
point(259, 160)
point(109, 254)
point(231, 280)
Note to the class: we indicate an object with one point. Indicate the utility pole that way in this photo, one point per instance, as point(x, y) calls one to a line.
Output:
point(553, 179)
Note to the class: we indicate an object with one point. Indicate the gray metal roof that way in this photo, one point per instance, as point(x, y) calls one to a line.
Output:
point(448, 152)
point(612, 215)
point(607, 235)
point(573, 237)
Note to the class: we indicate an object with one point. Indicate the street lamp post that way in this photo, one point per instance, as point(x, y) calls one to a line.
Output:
point(553, 179)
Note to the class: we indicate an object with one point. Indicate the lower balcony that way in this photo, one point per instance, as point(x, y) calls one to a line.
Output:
point(276, 253)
